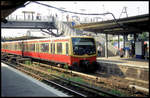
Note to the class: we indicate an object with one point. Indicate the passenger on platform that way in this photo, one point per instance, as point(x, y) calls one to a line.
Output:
point(132, 50)
point(99, 49)
point(145, 50)
point(121, 52)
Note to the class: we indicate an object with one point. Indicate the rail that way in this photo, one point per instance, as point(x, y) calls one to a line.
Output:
point(93, 91)
point(42, 68)
point(48, 81)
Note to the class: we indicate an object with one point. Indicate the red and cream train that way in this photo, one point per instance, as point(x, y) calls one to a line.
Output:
point(78, 52)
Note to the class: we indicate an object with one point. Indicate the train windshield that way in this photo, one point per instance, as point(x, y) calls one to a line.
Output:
point(83, 46)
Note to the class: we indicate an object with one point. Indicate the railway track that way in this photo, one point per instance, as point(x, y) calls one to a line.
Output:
point(89, 90)
point(122, 85)
point(75, 87)
point(47, 81)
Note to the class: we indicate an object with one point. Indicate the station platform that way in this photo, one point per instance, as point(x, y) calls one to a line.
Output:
point(17, 84)
point(135, 62)
point(133, 68)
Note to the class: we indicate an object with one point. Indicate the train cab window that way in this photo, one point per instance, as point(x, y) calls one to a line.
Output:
point(44, 47)
point(59, 48)
point(67, 48)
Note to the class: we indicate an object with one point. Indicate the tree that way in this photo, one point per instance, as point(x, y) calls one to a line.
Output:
point(143, 36)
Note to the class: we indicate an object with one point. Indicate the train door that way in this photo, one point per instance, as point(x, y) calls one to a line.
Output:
point(22, 48)
point(67, 49)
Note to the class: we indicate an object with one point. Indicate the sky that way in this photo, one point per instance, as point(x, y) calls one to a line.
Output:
point(133, 8)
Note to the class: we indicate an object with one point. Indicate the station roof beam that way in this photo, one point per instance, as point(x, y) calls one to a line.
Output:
point(7, 7)
point(129, 25)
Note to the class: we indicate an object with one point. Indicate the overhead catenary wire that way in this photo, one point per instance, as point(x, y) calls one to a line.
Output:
point(107, 13)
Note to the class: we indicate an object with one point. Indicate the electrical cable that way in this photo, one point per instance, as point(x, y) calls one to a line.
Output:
point(108, 13)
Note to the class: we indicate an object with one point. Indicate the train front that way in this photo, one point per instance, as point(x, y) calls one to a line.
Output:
point(84, 53)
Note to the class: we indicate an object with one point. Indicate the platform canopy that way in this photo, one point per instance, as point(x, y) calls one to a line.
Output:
point(7, 7)
point(129, 25)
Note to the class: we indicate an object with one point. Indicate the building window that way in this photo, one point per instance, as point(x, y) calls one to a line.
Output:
point(59, 48)
point(44, 47)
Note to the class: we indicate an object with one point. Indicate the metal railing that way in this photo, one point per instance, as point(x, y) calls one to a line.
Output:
point(29, 18)
point(66, 28)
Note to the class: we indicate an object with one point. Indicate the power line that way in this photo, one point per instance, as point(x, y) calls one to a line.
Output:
point(107, 13)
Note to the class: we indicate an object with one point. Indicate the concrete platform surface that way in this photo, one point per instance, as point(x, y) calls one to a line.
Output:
point(17, 84)
point(137, 69)
point(125, 61)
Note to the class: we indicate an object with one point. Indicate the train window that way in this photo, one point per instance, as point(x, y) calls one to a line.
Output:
point(32, 47)
point(19, 46)
point(15, 46)
point(37, 47)
point(25, 47)
point(53, 48)
point(12, 47)
point(44, 47)
point(67, 48)
point(3, 46)
point(6, 46)
point(59, 48)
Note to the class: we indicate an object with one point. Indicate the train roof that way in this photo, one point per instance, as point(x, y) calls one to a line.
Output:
point(53, 38)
